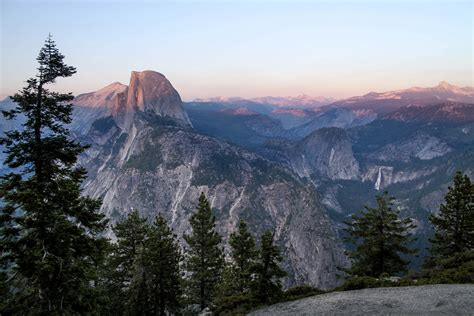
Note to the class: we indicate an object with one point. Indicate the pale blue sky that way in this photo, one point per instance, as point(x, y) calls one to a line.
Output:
point(245, 48)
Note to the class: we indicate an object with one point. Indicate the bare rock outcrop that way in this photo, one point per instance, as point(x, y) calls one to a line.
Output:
point(149, 92)
point(442, 299)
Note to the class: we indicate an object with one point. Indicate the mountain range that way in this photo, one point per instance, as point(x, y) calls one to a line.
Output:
point(298, 166)
point(301, 101)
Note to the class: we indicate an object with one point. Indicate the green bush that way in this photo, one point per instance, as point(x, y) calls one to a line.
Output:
point(300, 291)
point(407, 282)
point(455, 269)
point(235, 305)
point(363, 282)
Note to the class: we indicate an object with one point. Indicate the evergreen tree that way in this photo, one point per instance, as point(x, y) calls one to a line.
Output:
point(234, 285)
point(454, 224)
point(380, 239)
point(226, 286)
point(243, 257)
point(204, 261)
point(267, 285)
point(126, 258)
point(50, 245)
point(137, 295)
point(131, 234)
point(162, 258)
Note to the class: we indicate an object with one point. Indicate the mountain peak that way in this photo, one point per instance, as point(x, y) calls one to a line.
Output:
point(445, 85)
point(149, 92)
point(115, 84)
point(385, 102)
point(147, 88)
point(103, 97)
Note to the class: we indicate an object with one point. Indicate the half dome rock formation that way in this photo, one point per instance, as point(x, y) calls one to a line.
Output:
point(149, 92)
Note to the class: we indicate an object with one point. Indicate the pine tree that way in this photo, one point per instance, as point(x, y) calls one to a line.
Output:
point(243, 257)
point(137, 295)
point(267, 286)
point(131, 234)
point(234, 285)
point(380, 239)
point(162, 259)
point(454, 224)
point(204, 261)
point(126, 258)
point(50, 245)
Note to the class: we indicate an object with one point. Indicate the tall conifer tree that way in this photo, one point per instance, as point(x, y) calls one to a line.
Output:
point(204, 261)
point(454, 224)
point(235, 283)
point(124, 258)
point(267, 285)
point(162, 259)
point(380, 238)
point(131, 234)
point(137, 295)
point(243, 256)
point(49, 242)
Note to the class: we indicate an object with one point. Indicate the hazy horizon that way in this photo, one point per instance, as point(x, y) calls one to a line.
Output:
point(243, 48)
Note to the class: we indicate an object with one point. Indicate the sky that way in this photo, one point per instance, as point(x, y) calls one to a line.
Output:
point(244, 48)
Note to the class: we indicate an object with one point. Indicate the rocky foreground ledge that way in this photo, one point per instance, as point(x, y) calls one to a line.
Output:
point(445, 299)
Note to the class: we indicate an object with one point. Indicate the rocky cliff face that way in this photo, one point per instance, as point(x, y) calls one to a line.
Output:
point(146, 155)
point(91, 106)
point(331, 117)
point(104, 97)
point(420, 145)
point(326, 152)
point(148, 91)
point(152, 93)
point(160, 167)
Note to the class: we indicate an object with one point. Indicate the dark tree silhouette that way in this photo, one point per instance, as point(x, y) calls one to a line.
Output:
point(50, 242)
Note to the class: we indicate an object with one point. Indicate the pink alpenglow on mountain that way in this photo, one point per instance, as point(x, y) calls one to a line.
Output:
point(150, 92)
point(239, 111)
point(443, 91)
point(303, 101)
point(385, 102)
point(104, 97)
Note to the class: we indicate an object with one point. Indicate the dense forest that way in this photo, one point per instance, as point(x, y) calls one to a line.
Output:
point(56, 259)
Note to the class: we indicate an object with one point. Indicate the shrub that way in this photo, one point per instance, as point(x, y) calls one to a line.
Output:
point(407, 282)
point(300, 291)
point(235, 305)
point(363, 282)
point(455, 269)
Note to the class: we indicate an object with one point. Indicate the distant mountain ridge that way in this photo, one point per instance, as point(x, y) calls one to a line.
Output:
point(385, 102)
point(439, 112)
point(302, 115)
point(444, 91)
point(300, 101)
